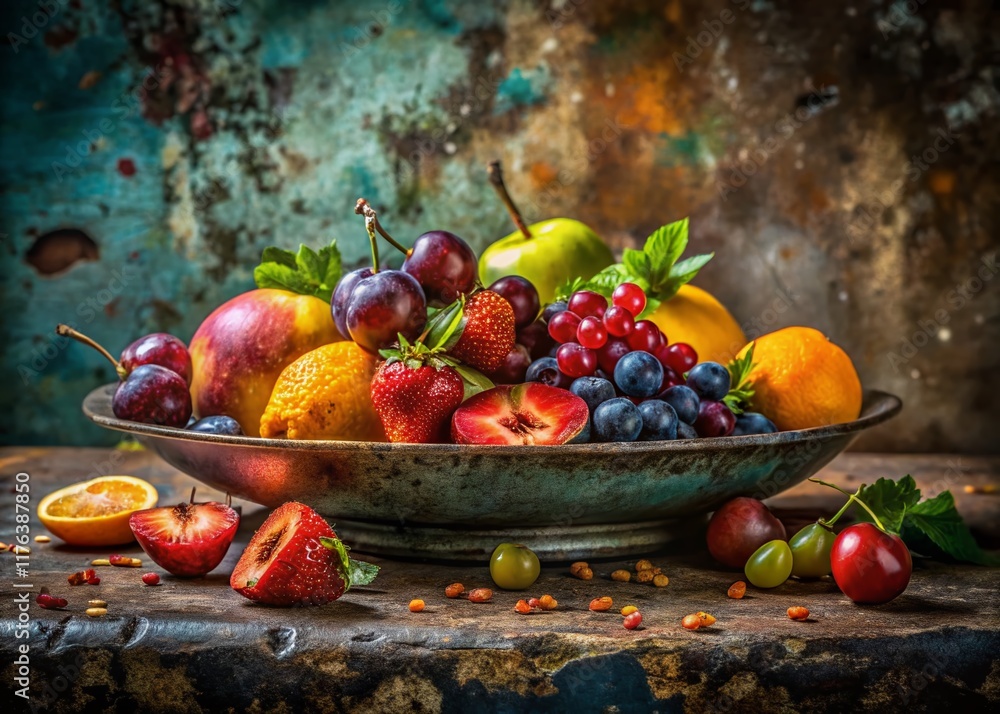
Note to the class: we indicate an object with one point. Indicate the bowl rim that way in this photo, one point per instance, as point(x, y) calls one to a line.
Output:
point(877, 407)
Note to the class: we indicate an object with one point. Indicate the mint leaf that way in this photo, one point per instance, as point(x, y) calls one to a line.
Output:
point(664, 247)
point(890, 500)
point(610, 278)
point(362, 573)
point(569, 287)
point(740, 386)
point(473, 380)
point(939, 522)
point(305, 273)
point(638, 264)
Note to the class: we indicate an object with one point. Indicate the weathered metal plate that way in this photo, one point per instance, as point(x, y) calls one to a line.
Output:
point(566, 490)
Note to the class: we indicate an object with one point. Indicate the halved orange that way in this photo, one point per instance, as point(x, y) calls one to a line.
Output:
point(96, 512)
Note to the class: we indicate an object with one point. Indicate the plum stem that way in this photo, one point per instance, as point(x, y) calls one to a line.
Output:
point(496, 180)
point(363, 208)
point(67, 331)
point(851, 499)
point(367, 209)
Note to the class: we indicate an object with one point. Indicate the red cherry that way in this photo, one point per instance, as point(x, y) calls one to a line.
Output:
point(591, 333)
point(619, 321)
point(870, 566)
point(563, 326)
point(608, 356)
point(587, 303)
point(629, 296)
point(576, 360)
point(645, 336)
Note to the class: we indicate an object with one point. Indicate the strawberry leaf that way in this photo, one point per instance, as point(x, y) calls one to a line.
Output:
point(362, 573)
point(305, 273)
point(445, 328)
point(890, 501)
point(473, 380)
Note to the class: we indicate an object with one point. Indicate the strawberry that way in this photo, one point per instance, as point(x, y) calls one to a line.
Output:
point(488, 336)
point(415, 400)
point(295, 558)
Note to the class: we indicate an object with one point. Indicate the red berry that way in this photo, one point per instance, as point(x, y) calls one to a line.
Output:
point(587, 303)
point(563, 326)
point(50, 602)
point(151, 579)
point(94, 581)
point(591, 333)
point(619, 321)
point(576, 360)
point(629, 296)
point(632, 620)
point(670, 379)
point(608, 356)
point(680, 357)
point(645, 337)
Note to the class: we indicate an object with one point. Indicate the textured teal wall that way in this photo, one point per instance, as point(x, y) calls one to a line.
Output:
point(182, 136)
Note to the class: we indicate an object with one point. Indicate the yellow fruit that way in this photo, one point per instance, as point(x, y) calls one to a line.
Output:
point(694, 316)
point(96, 512)
point(802, 380)
point(325, 394)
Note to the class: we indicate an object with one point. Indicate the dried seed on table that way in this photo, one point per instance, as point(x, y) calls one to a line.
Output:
point(534, 602)
point(97, 611)
point(153, 579)
point(97, 603)
point(737, 590)
point(522, 607)
point(691, 622)
point(706, 619)
point(20, 549)
point(76, 578)
point(416, 605)
point(644, 576)
point(643, 565)
point(629, 609)
point(601, 604)
point(547, 602)
point(100, 561)
point(622, 576)
point(42, 539)
point(661, 580)
point(797, 612)
point(480, 595)
point(49, 602)
point(454, 590)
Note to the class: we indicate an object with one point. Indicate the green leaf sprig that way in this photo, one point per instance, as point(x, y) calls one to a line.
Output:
point(354, 572)
point(657, 268)
point(740, 384)
point(307, 272)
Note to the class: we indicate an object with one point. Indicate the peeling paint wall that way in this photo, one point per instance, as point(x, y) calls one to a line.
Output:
point(841, 159)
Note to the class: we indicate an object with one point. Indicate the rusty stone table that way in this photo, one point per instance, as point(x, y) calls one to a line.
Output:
point(195, 645)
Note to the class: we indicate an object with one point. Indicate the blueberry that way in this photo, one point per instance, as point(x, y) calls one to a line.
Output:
point(554, 309)
point(617, 419)
point(684, 400)
point(584, 436)
point(753, 423)
point(217, 425)
point(659, 421)
point(593, 390)
point(639, 374)
point(710, 380)
point(686, 431)
point(546, 371)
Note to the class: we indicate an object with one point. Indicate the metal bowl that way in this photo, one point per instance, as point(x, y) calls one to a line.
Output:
point(457, 502)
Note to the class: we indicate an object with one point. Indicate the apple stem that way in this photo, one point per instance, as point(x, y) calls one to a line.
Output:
point(496, 179)
point(193, 489)
point(366, 209)
point(363, 208)
point(67, 331)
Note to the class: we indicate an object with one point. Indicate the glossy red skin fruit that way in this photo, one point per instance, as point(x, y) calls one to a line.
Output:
point(489, 332)
point(531, 413)
point(152, 394)
point(186, 546)
point(285, 563)
point(514, 367)
point(739, 528)
point(158, 348)
point(415, 405)
point(870, 566)
point(444, 265)
point(383, 306)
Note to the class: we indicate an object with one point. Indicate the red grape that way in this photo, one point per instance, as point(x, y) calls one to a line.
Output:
point(680, 357)
point(608, 356)
point(575, 360)
point(619, 321)
point(714, 419)
point(629, 296)
point(521, 295)
point(587, 303)
point(591, 333)
point(562, 327)
point(645, 337)
point(536, 339)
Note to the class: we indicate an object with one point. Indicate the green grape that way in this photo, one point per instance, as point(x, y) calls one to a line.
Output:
point(811, 548)
point(770, 565)
point(514, 567)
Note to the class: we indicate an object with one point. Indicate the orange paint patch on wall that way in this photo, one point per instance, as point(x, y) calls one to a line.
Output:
point(651, 98)
point(542, 174)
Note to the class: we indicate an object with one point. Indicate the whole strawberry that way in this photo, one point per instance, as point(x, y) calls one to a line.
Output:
point(489, 334)
point(415, 398)
point(295, 558)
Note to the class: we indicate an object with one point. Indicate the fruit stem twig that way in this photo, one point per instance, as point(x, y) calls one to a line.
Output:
point(67, 331)
point(364, 207)
point(851, 498)
point(496, 179)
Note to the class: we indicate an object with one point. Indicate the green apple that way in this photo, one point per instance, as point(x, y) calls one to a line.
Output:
point(547, 253)
point(557, 250)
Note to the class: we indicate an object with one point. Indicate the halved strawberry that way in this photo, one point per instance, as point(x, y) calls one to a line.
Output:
point(532, 413)
point(295, 558)
point(188, 539)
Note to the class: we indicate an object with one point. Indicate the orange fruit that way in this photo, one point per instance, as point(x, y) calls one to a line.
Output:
point(802, 380)
point(694, 316)
point(325, 394)
point(96, 512)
